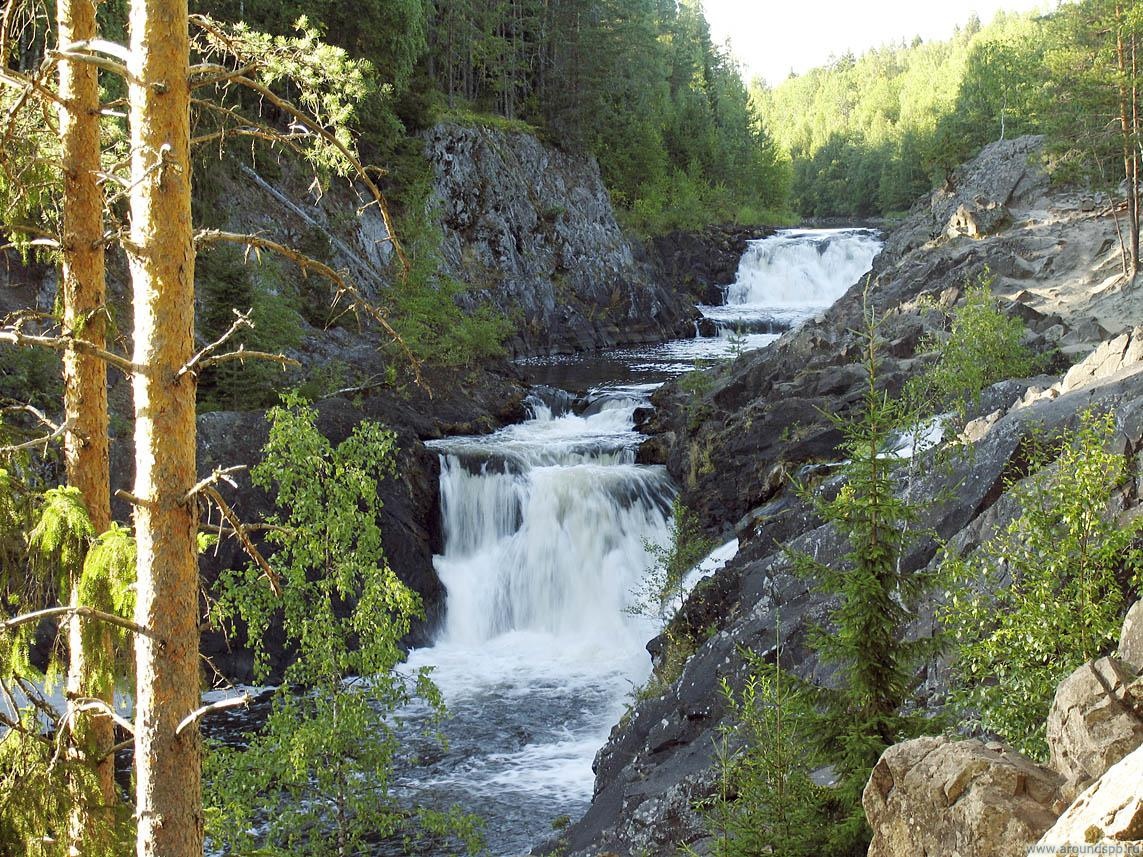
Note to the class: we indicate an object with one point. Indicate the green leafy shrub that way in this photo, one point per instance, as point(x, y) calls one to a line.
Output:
point(424, 309)
point(1046, 593)
point(983, 346)
point(323, 760)
point(686, 547)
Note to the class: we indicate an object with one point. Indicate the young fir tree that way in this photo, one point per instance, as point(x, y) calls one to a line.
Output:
point(864, 639)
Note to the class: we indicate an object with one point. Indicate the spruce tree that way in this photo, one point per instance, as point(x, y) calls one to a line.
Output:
point(872, 593)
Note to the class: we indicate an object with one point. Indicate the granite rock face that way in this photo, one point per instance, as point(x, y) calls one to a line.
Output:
point(530, 229)
point(936, 796)
point(1095, 720)
point(736, 448)
point(1106, 819)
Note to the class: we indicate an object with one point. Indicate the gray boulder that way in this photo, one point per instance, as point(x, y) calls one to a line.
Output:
point(1131, 638)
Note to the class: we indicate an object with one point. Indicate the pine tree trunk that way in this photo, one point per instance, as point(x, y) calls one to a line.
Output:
point(161, 250)
point(85, 379)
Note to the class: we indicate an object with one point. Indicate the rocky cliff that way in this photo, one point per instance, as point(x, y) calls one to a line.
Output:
point(734, 447)
point(530, 229)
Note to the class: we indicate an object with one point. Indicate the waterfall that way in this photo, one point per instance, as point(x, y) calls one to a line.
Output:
point(545, 524)
point(802, 267)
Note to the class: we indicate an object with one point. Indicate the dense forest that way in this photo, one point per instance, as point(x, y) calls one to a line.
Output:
point(867, 135)
point(640, 84)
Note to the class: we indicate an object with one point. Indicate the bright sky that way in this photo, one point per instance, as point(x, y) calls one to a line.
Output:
point(771, 37)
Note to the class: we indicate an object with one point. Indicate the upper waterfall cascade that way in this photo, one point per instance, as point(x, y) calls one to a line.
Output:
point(803, 268)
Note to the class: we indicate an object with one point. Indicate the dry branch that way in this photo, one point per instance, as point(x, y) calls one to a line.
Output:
point(344, 287)
point(243, 538)
point(199, 713)
point(82, 611)
point(66, 342)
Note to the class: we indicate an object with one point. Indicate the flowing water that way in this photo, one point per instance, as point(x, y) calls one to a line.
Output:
point(544, 526)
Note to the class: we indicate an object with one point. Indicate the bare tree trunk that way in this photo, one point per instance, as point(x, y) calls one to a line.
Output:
point(85, 383)
point(1130, 158)
point(161, 251)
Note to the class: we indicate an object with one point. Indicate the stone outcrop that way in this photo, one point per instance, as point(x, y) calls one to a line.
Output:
point(979, 218)
point(530, 230)
point(935, 797)
point(1131, 638)
point(1106, 819)
point(702, 263)
point(1095, 720)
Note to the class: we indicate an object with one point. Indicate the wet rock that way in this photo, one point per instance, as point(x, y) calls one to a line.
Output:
point(1106, 819)
point(1095, 720)
point(703, 263)
point(959, 799)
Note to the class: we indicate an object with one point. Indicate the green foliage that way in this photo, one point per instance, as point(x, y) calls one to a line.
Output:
point(323, 759)
point(1047, 592)
point(107, 583)
point(425, 307)
point(31, 376)
point(983, 346)
point(868, 135)
point(35, 810)
point(766, 802)
point(322, 79)
point(686, 547)
point(227, 281)
point(58, 541)
point(864, 639)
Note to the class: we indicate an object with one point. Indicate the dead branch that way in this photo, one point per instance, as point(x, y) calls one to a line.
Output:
point(90, 703)
point(241, 322)
point(43, 440)
point(244, 539)
point(82, 611)
point(66, 342)
point(220, 474)
point(100, 62)
point(199, 713)
point(131, 498)
point(243, 354)
point(19, 80)
point(213, 73)
point(299, 116)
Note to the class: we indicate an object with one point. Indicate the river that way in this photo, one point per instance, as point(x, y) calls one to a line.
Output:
point(545, 525)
